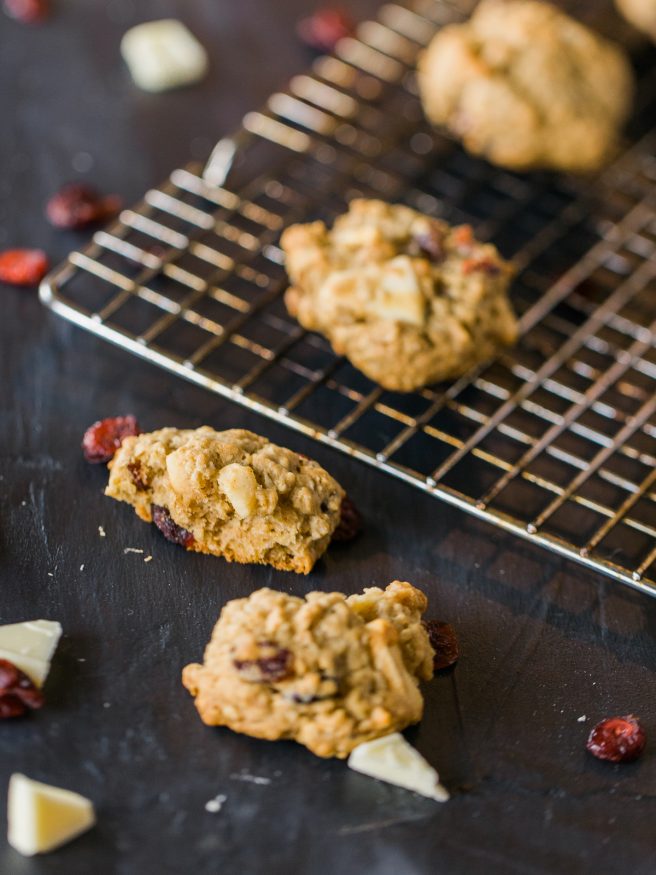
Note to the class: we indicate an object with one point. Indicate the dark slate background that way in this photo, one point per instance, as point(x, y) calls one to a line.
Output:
point(543, 642)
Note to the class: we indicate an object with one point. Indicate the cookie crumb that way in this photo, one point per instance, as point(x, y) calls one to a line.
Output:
point(216, 804)
point(148, 559)
point(581, 719)
point(249, 779)
point(101, 532)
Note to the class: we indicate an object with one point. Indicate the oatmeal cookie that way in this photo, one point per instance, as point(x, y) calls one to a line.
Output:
point(327, 671)
point(526, 86)
point(230, 493)
point(641, 14)
point(406, 298)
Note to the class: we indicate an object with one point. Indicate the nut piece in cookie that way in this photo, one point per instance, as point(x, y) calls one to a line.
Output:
point(328, 671)
point(524, 85)
point(406, 298)
point(229, 493)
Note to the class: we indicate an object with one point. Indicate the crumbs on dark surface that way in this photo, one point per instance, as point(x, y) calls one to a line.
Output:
point(617, 739)
point(102, 439)
point(444, 642)
point(18, 694)
point(170, 529)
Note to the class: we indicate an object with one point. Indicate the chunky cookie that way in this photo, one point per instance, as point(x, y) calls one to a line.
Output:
point(641, 14)
point(230, 493)
point(328, 671)
point(407, 299)
point(526, 86)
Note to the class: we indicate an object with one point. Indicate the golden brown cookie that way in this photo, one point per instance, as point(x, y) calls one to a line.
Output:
point(526, 86)
point(406, 298)
point(230, 493)
point(327, 671)
point(641, 14)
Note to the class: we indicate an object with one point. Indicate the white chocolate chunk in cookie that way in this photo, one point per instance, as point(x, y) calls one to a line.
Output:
point(399, 294)
point(393, 760)
point(178, 473)
point(240, 487)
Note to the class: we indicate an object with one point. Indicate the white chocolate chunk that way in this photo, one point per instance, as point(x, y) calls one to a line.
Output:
point(30, 646)
point(41, 817)
point(399, 294)
point(163, 54)
point(392, 759)
point(177, 471)
point(240, 487)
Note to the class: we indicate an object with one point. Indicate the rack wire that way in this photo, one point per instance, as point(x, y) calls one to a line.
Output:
point(554, 440)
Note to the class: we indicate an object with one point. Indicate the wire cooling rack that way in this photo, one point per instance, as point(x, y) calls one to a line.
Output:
point(554, 440)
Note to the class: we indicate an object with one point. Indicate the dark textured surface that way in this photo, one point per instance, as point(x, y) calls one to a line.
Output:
point(542, 642)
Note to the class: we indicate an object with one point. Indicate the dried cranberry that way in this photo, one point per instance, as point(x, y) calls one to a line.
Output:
point(17, 692)
point(170, 529)
point(444, 642)
point(23, 267)
point(463, 239)
point(325, 28)
point(27, 11)
point(429, 243)
point(617, 739)
point(350, 522)
point(484, 263)
point(275, 665)
point(78, 205)
point(136, 472)
point(103, 438)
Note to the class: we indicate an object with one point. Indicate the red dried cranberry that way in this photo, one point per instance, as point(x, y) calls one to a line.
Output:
point(103, 438)
point(444, 642)
point(136, 472)
point(275, 665)
point(17, 692)
point(484, 263)
point(617, 739)
point(23, 267)
point(350, 522)
point(27, 11)
point(325, 28)
point(429, 243)
point(170, 529)
point(463, 239)
point(78, 205)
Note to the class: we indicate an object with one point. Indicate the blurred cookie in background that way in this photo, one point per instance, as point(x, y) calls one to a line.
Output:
point(526, 86)
point(641, 14)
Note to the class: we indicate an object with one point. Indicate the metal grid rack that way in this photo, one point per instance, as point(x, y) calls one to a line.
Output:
point(554, 440)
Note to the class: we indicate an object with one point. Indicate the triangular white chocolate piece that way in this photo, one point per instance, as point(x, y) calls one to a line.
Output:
point(392, 759)
point(41, 817)
point(30, 646)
